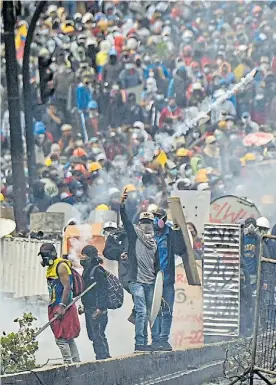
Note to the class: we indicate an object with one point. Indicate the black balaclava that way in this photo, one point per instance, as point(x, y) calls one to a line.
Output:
point(92, 260)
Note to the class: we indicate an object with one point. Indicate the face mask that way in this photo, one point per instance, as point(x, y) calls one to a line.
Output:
point(55, 163)
point(173, 172)
point(259, 97)
point(44, 32)
point(79, 193)
point(196, 135)
point(85, 263)
point(189, 172)
point(251, 229)
point(206, 70)
point(147, 228)
point(263, 231)
point(129, 66)
point(93, 114)
point(159, 97)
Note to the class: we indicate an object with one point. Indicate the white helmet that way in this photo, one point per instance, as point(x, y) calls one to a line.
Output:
point(152, 208)
point(110, 225)
point(263, 223)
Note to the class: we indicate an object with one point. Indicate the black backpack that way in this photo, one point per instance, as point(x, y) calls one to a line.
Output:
point(115, 290)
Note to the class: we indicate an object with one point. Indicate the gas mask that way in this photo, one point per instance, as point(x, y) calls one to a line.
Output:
point(48, 258)
point(159, 223)
point(251, 229)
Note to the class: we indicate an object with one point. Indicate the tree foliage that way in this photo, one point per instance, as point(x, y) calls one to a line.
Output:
point(18, 349)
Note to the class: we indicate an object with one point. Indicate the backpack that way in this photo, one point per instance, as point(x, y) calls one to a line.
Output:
point(78, 284)
point(115, 290)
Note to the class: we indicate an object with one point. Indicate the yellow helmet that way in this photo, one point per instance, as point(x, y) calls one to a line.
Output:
point(94, 166)
point(182, 152)
point(222, 124)
point(249, 156)
point(48, 162)
point(102, 207)
point(2, 198)
point(201, 177)
point(129, 188)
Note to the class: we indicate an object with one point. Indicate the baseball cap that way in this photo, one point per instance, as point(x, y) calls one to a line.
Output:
point(146, 216)
point(110, 224)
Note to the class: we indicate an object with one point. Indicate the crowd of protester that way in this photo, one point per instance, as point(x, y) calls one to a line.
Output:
point(125, 80)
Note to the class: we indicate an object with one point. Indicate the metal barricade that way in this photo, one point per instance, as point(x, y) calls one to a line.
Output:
point(263, 361)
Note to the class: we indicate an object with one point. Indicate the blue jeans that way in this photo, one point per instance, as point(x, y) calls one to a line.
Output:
point(162, 326)
point(142, 294)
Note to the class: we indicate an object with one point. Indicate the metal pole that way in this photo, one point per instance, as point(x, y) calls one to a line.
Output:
point(256, 316)
point(27, 94)
point(17, 151)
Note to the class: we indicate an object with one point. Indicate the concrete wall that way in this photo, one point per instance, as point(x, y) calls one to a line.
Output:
point(188, 367)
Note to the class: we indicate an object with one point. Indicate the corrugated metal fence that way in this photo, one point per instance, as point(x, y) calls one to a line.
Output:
point(221, 279)
point(20, 269)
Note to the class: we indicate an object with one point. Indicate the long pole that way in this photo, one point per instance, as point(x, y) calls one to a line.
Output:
point(28, 96)
point(256, 315)
point(40, 330)
point(17, 151)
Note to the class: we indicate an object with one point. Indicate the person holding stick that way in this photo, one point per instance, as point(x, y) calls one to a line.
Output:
point(60, 283)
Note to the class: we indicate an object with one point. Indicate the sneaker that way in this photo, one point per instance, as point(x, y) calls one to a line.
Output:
point(165, 347)
point(142, 349)
point(156, 346)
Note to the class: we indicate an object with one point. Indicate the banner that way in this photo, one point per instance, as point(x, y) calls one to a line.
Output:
point(187, 326)
point(230, 209)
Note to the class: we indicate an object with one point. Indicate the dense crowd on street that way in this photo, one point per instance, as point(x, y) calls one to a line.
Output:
point(113, 131)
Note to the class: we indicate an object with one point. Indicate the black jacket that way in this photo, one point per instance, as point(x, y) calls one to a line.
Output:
point(96, 298)
point(130, 265)
point(115, 245)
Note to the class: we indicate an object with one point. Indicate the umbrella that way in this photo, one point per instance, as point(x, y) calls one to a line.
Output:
point(258, 139)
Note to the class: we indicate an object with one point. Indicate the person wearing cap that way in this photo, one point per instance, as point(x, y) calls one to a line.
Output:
point(95, 301)
point(60, 284)
point(141, 269)
point(66, 142)
point(170, 242)
point(211, 153)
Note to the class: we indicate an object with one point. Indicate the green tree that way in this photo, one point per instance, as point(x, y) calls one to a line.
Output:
point(18, 349)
